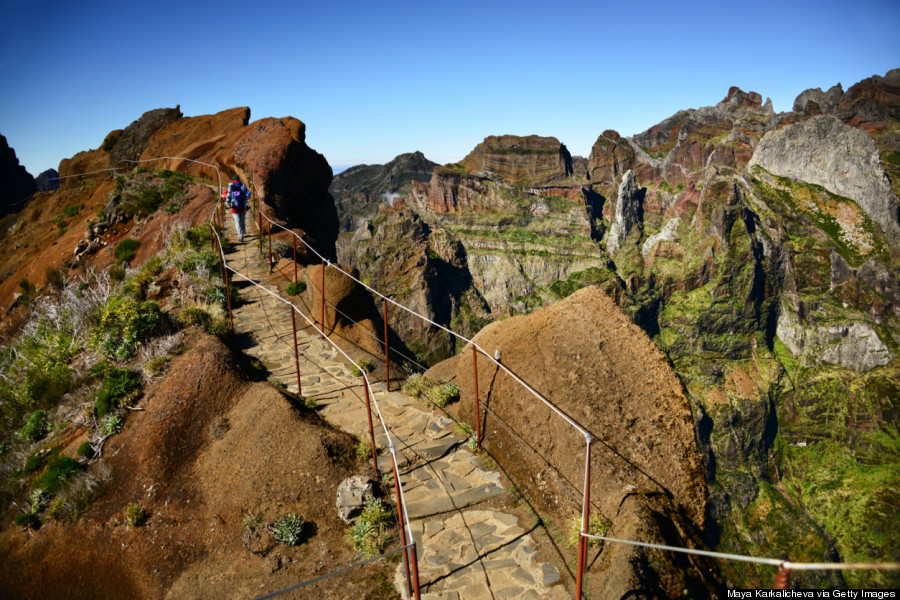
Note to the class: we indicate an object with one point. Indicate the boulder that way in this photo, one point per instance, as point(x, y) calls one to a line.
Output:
point(352, 495)
point(587, 358)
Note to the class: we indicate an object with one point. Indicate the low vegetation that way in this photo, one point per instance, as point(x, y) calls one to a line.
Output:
point(78, 363)
point(371, 534)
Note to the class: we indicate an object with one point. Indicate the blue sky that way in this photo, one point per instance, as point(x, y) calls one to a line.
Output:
point(372, 80)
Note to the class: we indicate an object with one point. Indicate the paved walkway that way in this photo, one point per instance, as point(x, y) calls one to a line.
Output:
point(463, 554)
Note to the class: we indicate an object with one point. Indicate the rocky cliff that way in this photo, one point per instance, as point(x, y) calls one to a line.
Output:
point(759, 252)
point(360, 190)
point(19, 184)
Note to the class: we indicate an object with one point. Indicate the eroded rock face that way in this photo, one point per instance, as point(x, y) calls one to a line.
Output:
point(629, 213)
point(18, 183)
point(815, 101)
point(853, 345)
point(134, 138)
point(359, 190)
point(844, 160)
point(590, 360)
point(533, 161)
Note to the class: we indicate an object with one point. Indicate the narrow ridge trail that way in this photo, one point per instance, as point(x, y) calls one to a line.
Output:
point(465, 551)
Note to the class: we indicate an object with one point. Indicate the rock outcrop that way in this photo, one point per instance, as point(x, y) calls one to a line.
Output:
point(360, 190)
point(629, 213)
point(844, 160)
point(18, 183)
point(530, 161)
point(47, 181)
point(586, 357)
point(134, 139)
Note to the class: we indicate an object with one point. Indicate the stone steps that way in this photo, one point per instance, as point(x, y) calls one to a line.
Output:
point(472, 553)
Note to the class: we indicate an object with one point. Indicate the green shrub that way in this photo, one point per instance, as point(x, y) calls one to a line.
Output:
point(71, 211)
point(119, 386)
point(33, 463)
point(196, 259)
point(57, 510)
point(363, 449)
point(110, 424)
point(296, 288)
point(125, 323)
point(441, 395)
point(135, 515)
point(117, 274)
point(289, 529)
point(354, 370)
point(371, 532)
point(27, 520)
point(36, 426)
point(416, 386)
point(60, 469)
point(597, 525)
point(85, 449)
point(310, 403)
point(126, 250)
point(4, 447)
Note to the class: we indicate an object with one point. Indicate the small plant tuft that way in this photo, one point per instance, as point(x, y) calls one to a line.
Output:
point(289, 529)
point(126, 250)
point(416, 386)
point(36, 427)
point(371, 532)
point(135, 515)
point(296, 288)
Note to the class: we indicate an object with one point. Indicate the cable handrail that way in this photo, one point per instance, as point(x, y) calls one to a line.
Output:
point(370, 392)
point(780, 563)
point(528, 387)
point(775, 562)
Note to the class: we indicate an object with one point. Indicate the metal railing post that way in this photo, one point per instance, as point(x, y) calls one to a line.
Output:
point(477, 399)
point(269, 235)
point(400, 519)
point(212, 238)
point(415, 570)
point(295, 261)
point(783, 578)
point(227, 291)
point(296, 353)
point(585, 519)
point(387, 364)
point(323, 299)
point(259, 225)
point(371, 429)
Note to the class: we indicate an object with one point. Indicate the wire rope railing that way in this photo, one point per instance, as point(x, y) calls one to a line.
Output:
point(409, 558)
point(784, 566)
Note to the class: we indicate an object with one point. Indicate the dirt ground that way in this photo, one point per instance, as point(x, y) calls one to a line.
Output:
point(208, 449)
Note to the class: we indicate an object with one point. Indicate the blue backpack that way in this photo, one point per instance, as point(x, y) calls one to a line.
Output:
point(237, 197)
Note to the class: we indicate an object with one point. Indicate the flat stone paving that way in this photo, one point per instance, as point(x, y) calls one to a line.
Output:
point(463, 554)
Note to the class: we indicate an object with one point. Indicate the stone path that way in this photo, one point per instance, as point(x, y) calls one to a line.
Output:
point(463, 554)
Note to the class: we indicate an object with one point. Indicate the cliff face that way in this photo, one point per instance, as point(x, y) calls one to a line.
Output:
point(759, 251)
point(360, 190)
point(18, 183)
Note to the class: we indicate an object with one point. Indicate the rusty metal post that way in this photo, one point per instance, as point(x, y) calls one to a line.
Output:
point(371, 429)
point(783, 578)
point(259, 225)
point(227, 291)
point(296, 353)
point(322, 322)
point(477, 399)
point(294, 238)
point(269, 235)
point(585, 519)
point(212, 237)
point(400, 519)
point(387, 364)
point(415, 571)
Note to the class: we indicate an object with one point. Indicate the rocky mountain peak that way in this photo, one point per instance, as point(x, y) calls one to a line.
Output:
point(532, 160)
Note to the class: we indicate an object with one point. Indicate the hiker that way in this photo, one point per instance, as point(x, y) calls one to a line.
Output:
point(237, 198)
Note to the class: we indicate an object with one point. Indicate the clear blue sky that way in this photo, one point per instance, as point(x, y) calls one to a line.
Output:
point(374, 79)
